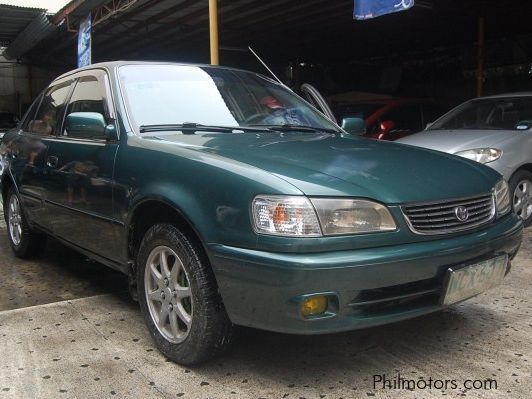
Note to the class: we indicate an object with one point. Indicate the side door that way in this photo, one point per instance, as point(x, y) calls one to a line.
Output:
point(29, 148)
point(80, 162)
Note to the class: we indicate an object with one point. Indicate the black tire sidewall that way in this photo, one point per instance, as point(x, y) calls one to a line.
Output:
point(514, 181)
point(194, 348)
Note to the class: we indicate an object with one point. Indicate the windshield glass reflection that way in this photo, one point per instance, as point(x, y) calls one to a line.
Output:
point(178, 94)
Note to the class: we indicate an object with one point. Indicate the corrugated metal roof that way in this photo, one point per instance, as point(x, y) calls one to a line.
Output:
point(321, 30)
point(38, 29)
point(13, 20)
point(78, 8)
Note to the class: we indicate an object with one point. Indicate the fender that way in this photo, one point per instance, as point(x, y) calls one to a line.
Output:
point(142, 199)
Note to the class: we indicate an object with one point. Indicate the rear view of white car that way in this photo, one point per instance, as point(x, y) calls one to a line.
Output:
point(496, 131)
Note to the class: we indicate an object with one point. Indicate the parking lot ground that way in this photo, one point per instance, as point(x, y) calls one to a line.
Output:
point(68, 329)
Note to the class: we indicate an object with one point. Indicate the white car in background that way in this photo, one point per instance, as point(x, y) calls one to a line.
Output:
point(496, 131)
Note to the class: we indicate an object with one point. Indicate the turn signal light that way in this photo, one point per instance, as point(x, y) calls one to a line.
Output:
point(314, 306)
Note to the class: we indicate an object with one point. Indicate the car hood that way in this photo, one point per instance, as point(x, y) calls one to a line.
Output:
point(453, 141)
point(325, 164)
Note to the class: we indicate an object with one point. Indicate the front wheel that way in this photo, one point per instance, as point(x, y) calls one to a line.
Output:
point(25, 242)
point(179, 298)
point(521, 192)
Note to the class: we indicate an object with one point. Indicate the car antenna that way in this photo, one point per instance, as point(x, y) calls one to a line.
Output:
point(266, 66)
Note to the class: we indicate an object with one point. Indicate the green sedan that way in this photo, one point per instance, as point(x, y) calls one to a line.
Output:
point(229, 201)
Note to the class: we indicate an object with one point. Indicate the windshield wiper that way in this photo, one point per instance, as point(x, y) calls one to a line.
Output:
point(191, 128)
point(288, 127)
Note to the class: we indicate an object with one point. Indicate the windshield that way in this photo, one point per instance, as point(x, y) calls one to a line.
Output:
point(182, 94)
point(488, 114)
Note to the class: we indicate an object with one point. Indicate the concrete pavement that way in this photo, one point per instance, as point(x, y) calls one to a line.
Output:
point(80, 336)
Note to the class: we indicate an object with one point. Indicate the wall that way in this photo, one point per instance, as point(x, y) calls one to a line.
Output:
point(20, 83)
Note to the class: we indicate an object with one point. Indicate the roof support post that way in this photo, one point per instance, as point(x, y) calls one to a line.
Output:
point(213, 29)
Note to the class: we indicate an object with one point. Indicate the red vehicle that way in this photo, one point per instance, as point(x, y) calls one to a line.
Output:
point(391, 119)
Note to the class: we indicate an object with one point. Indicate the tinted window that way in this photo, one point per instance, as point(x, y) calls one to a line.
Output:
point(488, 114)
point(405, 117)
point(49, 116)
point(30, 113)
point(88, 96)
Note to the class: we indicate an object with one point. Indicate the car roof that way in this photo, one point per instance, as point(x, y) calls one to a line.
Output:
point(116, 64)
point(507, 95)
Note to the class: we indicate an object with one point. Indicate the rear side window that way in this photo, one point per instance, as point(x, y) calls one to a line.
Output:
point(48, 118)
point(30, 113)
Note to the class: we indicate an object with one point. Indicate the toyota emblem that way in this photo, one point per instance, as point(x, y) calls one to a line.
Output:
point(461, 213)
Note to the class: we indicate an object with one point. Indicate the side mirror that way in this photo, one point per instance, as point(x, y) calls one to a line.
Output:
point(354, 125)
point(86, 125)
point(386, 126)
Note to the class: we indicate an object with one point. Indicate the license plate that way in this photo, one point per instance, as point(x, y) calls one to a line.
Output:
point(466, 282)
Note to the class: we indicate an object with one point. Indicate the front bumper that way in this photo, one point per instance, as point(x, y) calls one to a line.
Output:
point(366, 287)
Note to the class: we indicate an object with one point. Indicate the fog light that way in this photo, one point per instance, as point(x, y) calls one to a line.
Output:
point(314, 306)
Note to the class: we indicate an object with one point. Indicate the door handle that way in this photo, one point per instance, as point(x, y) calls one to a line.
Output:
point(52, 161)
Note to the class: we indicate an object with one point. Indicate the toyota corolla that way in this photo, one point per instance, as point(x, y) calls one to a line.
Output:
point(228, 200)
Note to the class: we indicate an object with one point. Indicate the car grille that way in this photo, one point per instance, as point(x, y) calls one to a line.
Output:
point(441, 217)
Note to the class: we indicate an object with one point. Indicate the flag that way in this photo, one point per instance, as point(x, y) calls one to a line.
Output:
point(84, 42)
point(367, 9)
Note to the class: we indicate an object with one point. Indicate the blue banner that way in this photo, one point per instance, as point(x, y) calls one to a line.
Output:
point(367, 9)
point(84, 42)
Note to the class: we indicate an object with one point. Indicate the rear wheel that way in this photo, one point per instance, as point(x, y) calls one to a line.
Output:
point(25, 242)
point(521, 191)
point(179, 298)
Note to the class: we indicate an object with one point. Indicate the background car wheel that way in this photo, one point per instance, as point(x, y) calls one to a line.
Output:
point(25, 243)
point(179, 298)
point(521, 191)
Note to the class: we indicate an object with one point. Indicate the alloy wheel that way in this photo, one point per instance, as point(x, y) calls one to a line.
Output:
point(522, 199)
point(168, 294)
point(14, 218)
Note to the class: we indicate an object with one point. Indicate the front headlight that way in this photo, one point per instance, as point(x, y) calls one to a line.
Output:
point(301, 217)
point(482, 155)
point(352, 216)
point(285, 216)
point(502, 198)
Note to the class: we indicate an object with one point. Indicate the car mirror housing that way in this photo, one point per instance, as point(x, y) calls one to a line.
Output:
point(87, 124)
point(354, 125)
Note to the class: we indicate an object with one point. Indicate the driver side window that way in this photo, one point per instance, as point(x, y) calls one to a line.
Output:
point(89, 98)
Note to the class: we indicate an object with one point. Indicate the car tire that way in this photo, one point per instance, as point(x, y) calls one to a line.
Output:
point(521, 195)
point(25, 242)
point(179, 298)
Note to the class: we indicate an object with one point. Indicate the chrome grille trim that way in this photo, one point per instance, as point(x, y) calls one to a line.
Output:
point(430, 218)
